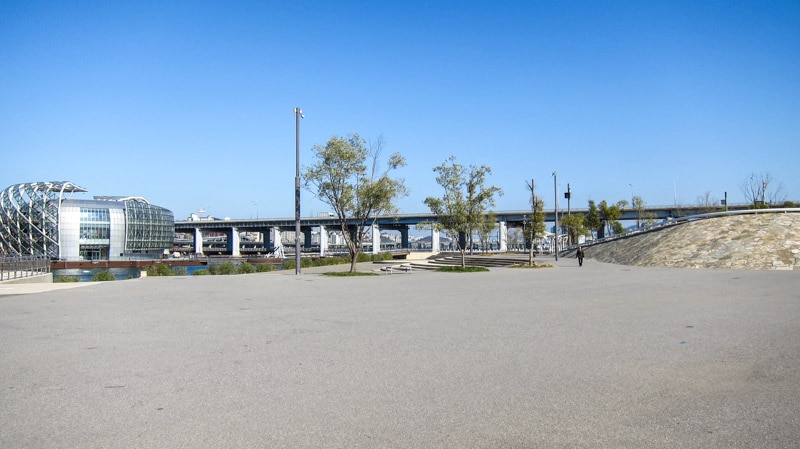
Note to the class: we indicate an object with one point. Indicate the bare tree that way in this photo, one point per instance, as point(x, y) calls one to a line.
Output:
point(707, 202)
point(761, 190)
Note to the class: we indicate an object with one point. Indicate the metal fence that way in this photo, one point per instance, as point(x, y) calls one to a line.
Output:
point(23, 267)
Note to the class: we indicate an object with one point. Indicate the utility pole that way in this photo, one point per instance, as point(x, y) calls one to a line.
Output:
point(533, 223)
point(555, 192)
point(568, 196)
point(298, 114)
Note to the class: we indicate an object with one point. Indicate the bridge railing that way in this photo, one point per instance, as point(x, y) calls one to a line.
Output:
point(22, 267)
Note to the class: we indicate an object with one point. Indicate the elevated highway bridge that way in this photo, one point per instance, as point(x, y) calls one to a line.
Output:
point(270, 228)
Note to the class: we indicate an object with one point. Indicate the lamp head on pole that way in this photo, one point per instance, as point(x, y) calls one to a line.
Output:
point(299, 112)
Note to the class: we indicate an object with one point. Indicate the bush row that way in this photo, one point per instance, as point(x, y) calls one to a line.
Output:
point(214, 269)
point(289, 264)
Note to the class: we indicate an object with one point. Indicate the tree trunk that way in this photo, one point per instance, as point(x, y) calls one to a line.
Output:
point(530, 254)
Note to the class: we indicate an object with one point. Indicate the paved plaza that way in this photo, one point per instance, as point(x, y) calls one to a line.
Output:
point(603, 356)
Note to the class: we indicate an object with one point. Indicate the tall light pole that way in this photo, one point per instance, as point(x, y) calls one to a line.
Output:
point(675, 194)
point(555, 192)
point(631, 194)
point(298, 114)
point(633, 206)
point(568, 196)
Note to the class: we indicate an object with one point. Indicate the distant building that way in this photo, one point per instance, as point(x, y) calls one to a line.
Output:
point(41, 218)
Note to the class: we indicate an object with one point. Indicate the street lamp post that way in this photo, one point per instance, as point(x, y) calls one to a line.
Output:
point(555, 192)
point(633, 206)
point(298, 114)
point(675, 194)
point(631, 194)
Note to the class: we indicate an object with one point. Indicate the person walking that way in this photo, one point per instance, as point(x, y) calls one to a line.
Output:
point(579, 255)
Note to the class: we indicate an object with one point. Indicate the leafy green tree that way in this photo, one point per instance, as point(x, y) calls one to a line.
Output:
point(643, 218)
point(638, 204)
point(610, 216)
point(536, 219)
point(465, 201)
point(346, 176)
point(485, 228)
point(573, 225)
point(593, 220)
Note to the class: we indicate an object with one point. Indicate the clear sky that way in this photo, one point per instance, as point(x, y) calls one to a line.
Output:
point(190, 104)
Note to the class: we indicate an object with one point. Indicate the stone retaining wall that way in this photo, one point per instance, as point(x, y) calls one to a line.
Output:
point(756, 242)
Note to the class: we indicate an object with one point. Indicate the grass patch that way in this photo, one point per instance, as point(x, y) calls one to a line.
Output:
point(349, 274)
point(462, 269)
point(288, 264)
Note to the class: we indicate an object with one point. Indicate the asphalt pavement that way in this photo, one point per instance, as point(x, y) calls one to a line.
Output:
point(602, 356)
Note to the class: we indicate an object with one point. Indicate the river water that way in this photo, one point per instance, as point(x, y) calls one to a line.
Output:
point(86, 275)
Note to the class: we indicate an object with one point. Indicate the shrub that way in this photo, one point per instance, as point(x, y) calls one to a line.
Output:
point(225, 268)
point(263, 268)
point(65, 279)
point(103, 276)
point(201, 272)
point(160, 269)
point(246, 268)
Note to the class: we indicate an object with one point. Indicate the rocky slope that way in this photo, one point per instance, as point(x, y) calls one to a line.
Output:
point(758, 242)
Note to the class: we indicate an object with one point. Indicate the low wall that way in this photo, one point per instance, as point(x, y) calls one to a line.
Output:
point(46, 278)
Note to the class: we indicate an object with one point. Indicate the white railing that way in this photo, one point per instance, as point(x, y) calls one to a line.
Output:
point(22, 267)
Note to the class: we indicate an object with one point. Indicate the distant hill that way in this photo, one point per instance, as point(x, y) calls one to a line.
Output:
point(757, 242)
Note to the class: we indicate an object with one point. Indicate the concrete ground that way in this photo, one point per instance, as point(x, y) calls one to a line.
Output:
point(602, 356)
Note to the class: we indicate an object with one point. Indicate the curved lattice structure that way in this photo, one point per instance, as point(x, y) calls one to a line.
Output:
point(41, 219)
point(29, 217)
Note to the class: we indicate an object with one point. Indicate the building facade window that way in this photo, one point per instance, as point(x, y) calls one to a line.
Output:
point(95, 225)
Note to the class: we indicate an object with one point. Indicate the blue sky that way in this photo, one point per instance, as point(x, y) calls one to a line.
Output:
point(189, 104)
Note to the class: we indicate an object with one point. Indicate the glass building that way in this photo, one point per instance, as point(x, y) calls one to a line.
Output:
point(42, 218)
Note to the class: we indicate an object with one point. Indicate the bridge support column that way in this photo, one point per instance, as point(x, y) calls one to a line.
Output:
point(376, 239)
point(266, 237)
point(404, 238)
point(462, 240)
point(323, 241)
point(435, 246)
point(233, 242)
point(198, 241)
point(307, 242)
point(503, 226)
